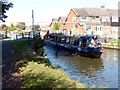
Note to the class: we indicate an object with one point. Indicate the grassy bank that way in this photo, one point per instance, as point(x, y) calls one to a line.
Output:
point(115, 44)
point(37, 72)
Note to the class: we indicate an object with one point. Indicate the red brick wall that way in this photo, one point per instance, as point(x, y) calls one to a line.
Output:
point(60, 24)
point(69, 25)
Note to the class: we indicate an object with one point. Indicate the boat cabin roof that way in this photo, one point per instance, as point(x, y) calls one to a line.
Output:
point(88, 36)
point(83, 37)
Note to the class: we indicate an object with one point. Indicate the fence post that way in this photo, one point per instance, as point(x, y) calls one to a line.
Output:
point(34, 37)
point(22, 35)
point(39, 34)
point(16, 36)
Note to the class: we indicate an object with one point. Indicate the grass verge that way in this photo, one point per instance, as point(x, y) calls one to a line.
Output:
point(38, 72)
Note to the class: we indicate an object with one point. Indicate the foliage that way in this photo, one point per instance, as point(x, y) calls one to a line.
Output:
point(56, 26)
point(5, 6)
point(12, 27)
point(21, 25)
point(98, 36)
point(39, 76)
point(39, 73)
point(3, 26)
point(2, 35)
point(36, 27)
point(38, 46)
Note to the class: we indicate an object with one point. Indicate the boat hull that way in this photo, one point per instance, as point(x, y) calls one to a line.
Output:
point(91, 54)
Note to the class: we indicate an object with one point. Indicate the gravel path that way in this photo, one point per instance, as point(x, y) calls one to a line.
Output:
point(10, 76)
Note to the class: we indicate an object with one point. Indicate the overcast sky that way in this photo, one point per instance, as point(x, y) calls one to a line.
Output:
point(45, 10)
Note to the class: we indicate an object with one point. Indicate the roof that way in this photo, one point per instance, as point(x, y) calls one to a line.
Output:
point(97, 11)
point(55, 19)
point(63, 18)
point(113, 12)
point(80, 12)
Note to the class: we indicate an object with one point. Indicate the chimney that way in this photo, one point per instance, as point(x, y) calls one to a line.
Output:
point(102, 6)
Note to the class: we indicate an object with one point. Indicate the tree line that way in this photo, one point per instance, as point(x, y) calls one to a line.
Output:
point(18, 26)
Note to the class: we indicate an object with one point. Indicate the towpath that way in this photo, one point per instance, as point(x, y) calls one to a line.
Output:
point(10, 75)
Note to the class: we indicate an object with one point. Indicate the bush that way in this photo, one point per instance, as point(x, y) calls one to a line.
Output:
point(39, 46)
point(98, 36)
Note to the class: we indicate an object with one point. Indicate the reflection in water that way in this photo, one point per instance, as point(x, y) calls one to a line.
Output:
point(94, 71)
point(90, 67)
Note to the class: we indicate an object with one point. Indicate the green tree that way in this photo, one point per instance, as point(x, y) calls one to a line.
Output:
point(6, 28)
point(56, 26)
point(4, 6)
point(12, 27)
point(3, 26)
point(36, 27)
point(21, 25)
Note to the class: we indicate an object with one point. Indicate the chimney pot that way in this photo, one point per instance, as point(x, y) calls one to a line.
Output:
point(102, 6)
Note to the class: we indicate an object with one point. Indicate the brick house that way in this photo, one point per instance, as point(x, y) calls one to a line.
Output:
point(97, 21)
point(61, 21)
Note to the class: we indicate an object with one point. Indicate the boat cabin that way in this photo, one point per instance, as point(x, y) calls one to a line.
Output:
point(78, 41)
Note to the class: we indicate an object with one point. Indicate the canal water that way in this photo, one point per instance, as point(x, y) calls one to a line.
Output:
point(91, 71)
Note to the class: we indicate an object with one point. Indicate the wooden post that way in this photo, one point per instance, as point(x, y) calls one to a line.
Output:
point(6, 34)
point(22, 35)
point(39, 34)
point(29, 39)
point(34, 37)
point(16, 36)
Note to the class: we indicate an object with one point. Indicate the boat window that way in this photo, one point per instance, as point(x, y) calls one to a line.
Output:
point(63, 40)
point(67, 40)
point(72, 41)
point(80, 41)
point(88, 42)
point(93, 42)
point(84, 43)
point(56, 38)
point(48, 37)
point(59, 40)
point(97, 42)
point(76, 42)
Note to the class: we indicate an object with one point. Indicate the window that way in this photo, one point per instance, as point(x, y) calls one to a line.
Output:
point(76, 26)
point(97, 16)
point(100, 28)
point(93, 17)
point(88, 27)
point(74, 18)
point(84, 18)
point(96, 28)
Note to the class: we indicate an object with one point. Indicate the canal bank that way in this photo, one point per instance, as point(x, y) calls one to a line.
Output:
point(38, 72)
point(109, 46)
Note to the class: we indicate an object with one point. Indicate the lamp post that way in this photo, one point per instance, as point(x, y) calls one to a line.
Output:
point(33, 22)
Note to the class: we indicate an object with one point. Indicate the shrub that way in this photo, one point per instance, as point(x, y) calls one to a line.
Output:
point(39, 46)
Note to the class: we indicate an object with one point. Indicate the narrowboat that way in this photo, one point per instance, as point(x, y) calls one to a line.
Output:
point(88, 46)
